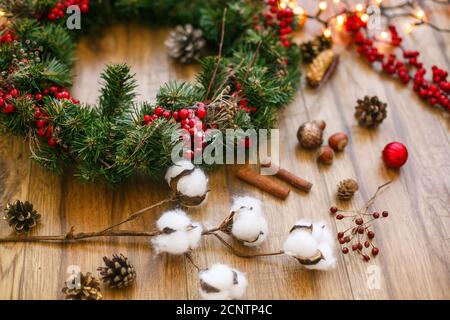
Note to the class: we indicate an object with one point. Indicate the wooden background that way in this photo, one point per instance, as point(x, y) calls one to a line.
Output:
point(414, 240)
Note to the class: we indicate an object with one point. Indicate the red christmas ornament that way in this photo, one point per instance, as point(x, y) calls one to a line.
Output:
point(395, 155)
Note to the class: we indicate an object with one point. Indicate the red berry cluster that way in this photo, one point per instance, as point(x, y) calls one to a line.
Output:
point(45, 128)
point(243, 102)
point(7, 37)
point(6, 98)
point(190, 120)
point(359, 237)
point(58, 11)
point(436, 92)
point(283, 19)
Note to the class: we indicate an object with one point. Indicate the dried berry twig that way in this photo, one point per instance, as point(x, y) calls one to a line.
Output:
point(359, 236)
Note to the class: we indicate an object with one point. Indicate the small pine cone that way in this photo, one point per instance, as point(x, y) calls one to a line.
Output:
point(118, 273)
point(370, 111)
point(88, 288)
point(185, 43)
point(346, 189)
point(21, 216)
point(318, 68)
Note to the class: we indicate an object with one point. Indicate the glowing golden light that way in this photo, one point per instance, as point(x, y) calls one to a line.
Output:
point(299, 11)
point(384, 35)
point(283, 5)
point(322, 5)
point(420, 14)
point(359, 7)
point(340, 20)
point(364, 17)
point(327, 32)
point(336, 1)
point(379, 1)
point(2, 13)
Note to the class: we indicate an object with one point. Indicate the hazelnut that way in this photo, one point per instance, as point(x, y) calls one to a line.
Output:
point(338, 141)
point(310, 134)
point(325, 155)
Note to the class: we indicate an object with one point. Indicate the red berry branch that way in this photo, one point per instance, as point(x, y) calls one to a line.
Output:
point(59, 10)
point(405, 67)
point(359, 235)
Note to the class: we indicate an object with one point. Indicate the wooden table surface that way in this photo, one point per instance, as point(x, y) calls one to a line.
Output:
point(414, 240)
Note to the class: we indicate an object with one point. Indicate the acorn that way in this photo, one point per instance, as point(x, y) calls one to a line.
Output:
point(325, 155)
point(338, 141)
point(310, 134)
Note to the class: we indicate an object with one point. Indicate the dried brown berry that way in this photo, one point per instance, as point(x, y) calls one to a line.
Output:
point(338, 141)
point(325, 155)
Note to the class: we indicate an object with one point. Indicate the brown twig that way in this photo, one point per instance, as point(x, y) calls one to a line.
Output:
point(244, 255)
point(138, 214)
point(70, 236)
point(189, 258)
point(372, 199)
point(219, 56)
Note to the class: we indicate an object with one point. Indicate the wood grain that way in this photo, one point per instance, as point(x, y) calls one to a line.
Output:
point(414, 258)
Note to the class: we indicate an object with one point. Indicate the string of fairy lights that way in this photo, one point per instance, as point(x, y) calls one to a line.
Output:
point(339, 9)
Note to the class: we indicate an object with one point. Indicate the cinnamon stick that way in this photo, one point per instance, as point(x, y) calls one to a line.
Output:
point(288, 177)
point(262, 182)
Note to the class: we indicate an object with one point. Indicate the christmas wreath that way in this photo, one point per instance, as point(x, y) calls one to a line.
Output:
point(254, 74)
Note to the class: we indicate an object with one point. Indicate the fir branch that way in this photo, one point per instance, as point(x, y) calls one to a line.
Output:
point(117, 93)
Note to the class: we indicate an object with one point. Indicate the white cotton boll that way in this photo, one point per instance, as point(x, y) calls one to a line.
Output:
point(194, 184)
point(238, 290)
point(221, 282)
point(175, 243)
point(174, 219)
point(179, 233)
point(190, 184)
point(300, 243)
point(312, 244)
point(329, 260)
point(321, 232)
point(248, 202)
point(178, 168)
point(195, 235)
point(249, 226)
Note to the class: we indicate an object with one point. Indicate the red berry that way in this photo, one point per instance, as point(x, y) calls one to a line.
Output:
point(367, 244)
point(360, 246)
point(366, 258)
point(345, 250)
point(340, 235)
point(371, 234)
point(354, 247)
point(347, 239)
point(339, 217)
point(147, 118)
point(375, 251)
point(38, 96)
point(175, 115)
point(183, 113)
point(376, 215)
point(342, 241)
point(359, 221)
point(159, 111)
point(201, 112)
point(2, 102)
point(166, 114)
point(333, 210)
point(41, 123)
point(51, 142)
point(385, 214)
point(361, 230)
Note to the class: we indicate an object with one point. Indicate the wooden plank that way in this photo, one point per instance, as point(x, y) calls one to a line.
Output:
point(413, 240)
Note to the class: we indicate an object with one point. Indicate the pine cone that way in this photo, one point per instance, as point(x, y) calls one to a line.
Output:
point(319, 67)
point(370, 111)
point(118, 273)
point(346, 189)
point(87, 289)
point(185, 43)
point(21, 216)
point(311, 49)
